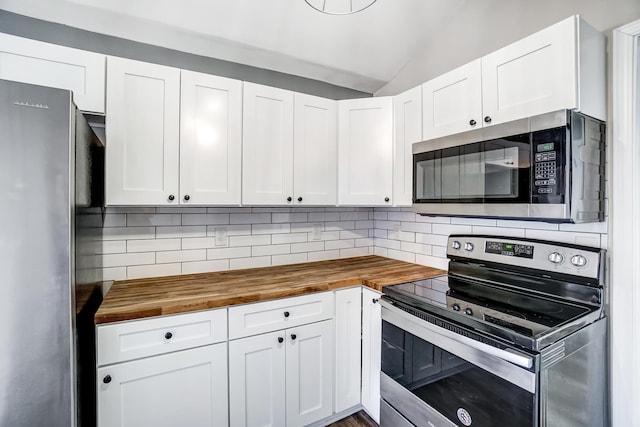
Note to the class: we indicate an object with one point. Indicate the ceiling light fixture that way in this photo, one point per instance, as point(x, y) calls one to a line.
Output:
point(340, 7)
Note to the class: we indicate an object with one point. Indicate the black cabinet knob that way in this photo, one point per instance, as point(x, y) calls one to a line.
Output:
point(294, 336)
point(289, 199)
point(107, 379)
point(280, 340)
point(487, 119)
point(299, 199)
point(187, 197)
point(472, 122)
point(168, 335)
point(171, 197)
point(286, 314)
point(374, 300)
point(386, 199)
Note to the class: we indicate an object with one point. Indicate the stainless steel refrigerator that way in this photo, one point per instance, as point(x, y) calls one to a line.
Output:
point(50, 195)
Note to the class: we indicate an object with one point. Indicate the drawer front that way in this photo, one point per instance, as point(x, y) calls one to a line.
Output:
point(141, 338)
point(259, 318)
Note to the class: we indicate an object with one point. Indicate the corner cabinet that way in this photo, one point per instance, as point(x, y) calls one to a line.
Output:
point(407, 114)
point(560, 67)
point(171, 148)
point(31, 61)
point(365, 152)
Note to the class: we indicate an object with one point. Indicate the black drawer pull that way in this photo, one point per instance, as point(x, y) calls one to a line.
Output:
point(280, 340)
point(293, 336)
point(107, 379)
point(286, 314)
point(168, 335)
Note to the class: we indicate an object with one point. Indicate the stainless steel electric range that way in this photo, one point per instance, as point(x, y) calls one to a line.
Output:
point(514, 335)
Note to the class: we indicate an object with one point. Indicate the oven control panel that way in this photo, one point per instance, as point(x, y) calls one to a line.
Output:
point(541, 255)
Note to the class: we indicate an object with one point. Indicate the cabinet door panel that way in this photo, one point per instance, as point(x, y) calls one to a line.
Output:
point(45, 64)
point(184, 388)
point(365, 151)
point(309, 375)
point(451, 101)
point(407, 112)
point(371, 352)
point(210, 139)
point(143, 104)
point(257, 385)
point(348, 347)
point(532, 76)
point(267, 165)
point(315, 150)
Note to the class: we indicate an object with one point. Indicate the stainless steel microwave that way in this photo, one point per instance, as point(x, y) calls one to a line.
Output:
point(549, 167)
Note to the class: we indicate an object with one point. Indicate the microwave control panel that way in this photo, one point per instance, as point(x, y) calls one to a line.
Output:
point(548, 171)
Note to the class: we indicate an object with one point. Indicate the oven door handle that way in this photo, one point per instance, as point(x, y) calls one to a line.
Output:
point(507, 354)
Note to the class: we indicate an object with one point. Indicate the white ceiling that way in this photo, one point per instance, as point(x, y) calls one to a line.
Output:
point(362, 51)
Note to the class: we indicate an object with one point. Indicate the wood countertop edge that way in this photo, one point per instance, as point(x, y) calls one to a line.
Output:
point(202, 301)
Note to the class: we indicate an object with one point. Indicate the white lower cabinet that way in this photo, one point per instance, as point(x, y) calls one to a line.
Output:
point(283, 377)
point(185, 388)
point(348, 352)
point(371, 352)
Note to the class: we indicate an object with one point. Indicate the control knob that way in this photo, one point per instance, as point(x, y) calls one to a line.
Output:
point(468, 246)
point(556, 257)
point(468, 311)
point(455, 245)
point(455, 307)
point(578, 260)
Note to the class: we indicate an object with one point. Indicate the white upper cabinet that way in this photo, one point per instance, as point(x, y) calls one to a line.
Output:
point(143, 133)
point(407, 111)
point(562, 66)
point(315, 150)
point(452, 102)
point(267, 150)
point(45, 64)
point(365, 151)
point(210, 139)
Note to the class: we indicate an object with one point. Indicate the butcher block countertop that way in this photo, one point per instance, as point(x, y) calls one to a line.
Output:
point(140, 298)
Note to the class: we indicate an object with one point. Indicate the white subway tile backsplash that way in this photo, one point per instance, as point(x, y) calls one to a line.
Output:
point(354, 234)
point(124, 233)
point(198, 242)
point(474, 221)
point(339, 226)
point(270, 250)
point(324, 216)
point(416, 227)
point(270, 228)
point(380, 251)
point(590, 227)
point(387, 243)
point(499, 231)
point(354, 216)
point(278, 239)
point(175, 210)
point(255, 262)
point(126, 259)
point(113, 247)
point(133, 210)
point(140, 271)
point(432, 261)
point(433, 219)
point(204, 266)
point(447, 229)
point(364, 242)
point(323, 255)
point(153, 245)
point(224, 253)
point(368, 224)
point(181, 256)
point(289, 259)
point(113, 220)
point(351, 252)
point(250, 218)
point(232, 230)
point(205, 219)
point(260, 239)
point(142, 220)
point(417, 248)
point(339, 244)
point(289, 217)
point(114, 273)
point(526, 224)
point(307, 247)
point(181, 231)
point(401, 216)
point(401, 255)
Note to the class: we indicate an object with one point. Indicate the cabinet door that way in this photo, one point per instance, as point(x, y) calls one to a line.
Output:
point(45, 64)
point(186, 388)
point(143, 133)
point(257, 381)
point(267, 146)
point(532, 76)
point(315, 151)
point(348, 347)
point(365, 151)
point(407, 113)
point(371, 339)
point(210, 139)
point(309, 376)
point(452, 102)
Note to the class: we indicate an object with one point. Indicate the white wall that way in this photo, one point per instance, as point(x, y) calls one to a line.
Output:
point(484, 26)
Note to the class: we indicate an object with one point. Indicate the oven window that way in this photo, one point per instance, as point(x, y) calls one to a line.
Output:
point(448, 383)
point(494, 171)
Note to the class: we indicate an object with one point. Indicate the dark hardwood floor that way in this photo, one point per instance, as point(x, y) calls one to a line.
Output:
point(360, 419)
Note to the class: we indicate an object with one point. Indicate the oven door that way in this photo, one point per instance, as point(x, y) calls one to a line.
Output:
point(433, 376)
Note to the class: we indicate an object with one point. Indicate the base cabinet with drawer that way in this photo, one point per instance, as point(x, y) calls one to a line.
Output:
point(164, 372)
